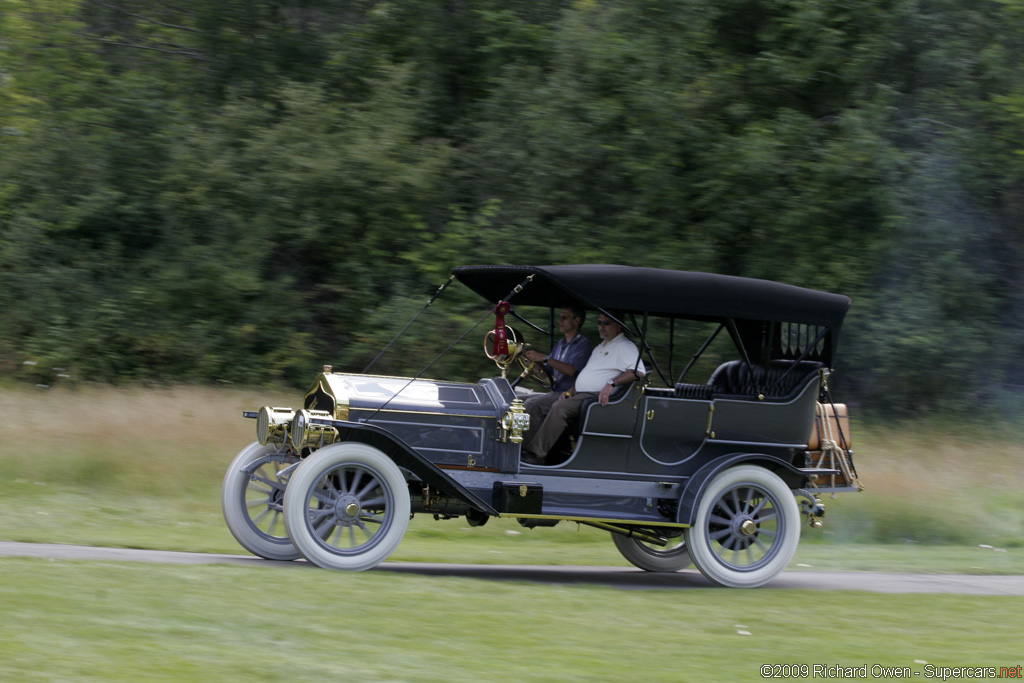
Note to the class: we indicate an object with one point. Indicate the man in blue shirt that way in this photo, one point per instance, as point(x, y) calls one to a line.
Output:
point(570, 353)
point(564, 363)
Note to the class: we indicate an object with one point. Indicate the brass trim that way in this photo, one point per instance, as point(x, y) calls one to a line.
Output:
point(616, 529)
point(340, 402)
point(643, 391)
point(272, 424)
point(304, 433)
point(514, 422)
point(422, 412)
point(469, 468)
point(606, 520)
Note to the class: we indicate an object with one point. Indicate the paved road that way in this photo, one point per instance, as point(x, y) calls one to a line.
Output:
point(617, 577)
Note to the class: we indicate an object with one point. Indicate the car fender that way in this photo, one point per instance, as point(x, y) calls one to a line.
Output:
point(407, 458)
point(687, 508)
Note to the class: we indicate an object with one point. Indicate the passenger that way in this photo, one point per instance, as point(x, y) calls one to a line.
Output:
point(611, 364)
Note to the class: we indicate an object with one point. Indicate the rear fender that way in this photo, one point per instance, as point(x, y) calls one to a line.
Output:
point(792, 476)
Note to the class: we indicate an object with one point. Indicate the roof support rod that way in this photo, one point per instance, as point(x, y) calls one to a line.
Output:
point(671, 344)
point(735, 332)
point(700, 351)
point(533, 326)
point(644, 346)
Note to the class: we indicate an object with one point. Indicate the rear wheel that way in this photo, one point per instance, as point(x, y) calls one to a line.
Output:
point(651, 557)
point(347, 507)
point(252, 497)
point(746, 529)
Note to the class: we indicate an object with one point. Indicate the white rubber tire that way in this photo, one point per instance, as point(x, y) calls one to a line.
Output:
point(746, 529)
point(251, 501)
point(347, 507)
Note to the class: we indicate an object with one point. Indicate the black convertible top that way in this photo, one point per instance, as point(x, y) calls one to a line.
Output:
point(656, 291)
point(766, 319)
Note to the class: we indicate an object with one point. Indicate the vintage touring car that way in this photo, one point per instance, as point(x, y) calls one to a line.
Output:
point(716, 473)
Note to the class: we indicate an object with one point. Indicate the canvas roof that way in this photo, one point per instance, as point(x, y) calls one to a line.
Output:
point(656, 291)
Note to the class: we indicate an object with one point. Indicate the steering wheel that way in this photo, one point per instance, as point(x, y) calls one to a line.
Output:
point(516, 347)
point(535, 371)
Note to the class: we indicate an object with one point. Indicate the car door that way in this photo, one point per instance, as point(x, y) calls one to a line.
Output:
point(670, 431)
point(606, 434)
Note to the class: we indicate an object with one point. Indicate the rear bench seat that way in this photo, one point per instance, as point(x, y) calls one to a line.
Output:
point(734, 379)
point(780, 380)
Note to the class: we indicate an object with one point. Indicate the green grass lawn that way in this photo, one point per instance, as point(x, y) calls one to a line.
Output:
point(142, 468)
point(89, 621)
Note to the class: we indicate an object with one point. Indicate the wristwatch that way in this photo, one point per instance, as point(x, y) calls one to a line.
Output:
point(611, 383)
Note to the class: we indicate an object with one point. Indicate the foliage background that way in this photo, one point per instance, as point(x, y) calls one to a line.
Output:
point(214, 190)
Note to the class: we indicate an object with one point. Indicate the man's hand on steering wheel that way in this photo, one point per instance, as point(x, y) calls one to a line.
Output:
point(533, 367)
point(536, 356)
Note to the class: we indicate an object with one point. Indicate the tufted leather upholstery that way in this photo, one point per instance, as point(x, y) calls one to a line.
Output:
point(777, 380)
point(697, 391)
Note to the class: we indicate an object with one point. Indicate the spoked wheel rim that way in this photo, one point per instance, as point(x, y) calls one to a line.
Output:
point(745, 527)
point(349, 509)
point(252, 498)
point(263, 498)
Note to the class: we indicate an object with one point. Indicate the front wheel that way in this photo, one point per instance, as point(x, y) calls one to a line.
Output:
point(746, 529)
point(347, 507)
point(251, 498)
point(653, 558)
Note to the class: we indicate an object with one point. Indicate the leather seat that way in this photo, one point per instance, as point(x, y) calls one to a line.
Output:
point(780, 379)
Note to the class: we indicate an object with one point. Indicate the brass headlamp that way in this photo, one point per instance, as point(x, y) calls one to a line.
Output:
point(272, 424)
point(305, 433)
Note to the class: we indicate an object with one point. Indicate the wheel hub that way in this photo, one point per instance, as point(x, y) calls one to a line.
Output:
point(347, 509)
point(742, 532)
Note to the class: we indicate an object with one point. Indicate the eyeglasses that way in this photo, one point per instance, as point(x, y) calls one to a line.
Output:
point(566, 317)
point(605, 323)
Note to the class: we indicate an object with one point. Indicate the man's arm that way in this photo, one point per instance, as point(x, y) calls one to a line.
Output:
point(623, 378)
point(575, 359)
point(562, 367)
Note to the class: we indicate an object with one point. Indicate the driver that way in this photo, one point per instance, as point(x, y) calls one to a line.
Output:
point(570, 353)
point(613, 362)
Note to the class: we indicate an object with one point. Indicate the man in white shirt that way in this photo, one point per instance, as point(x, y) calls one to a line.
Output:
point(613, 362)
